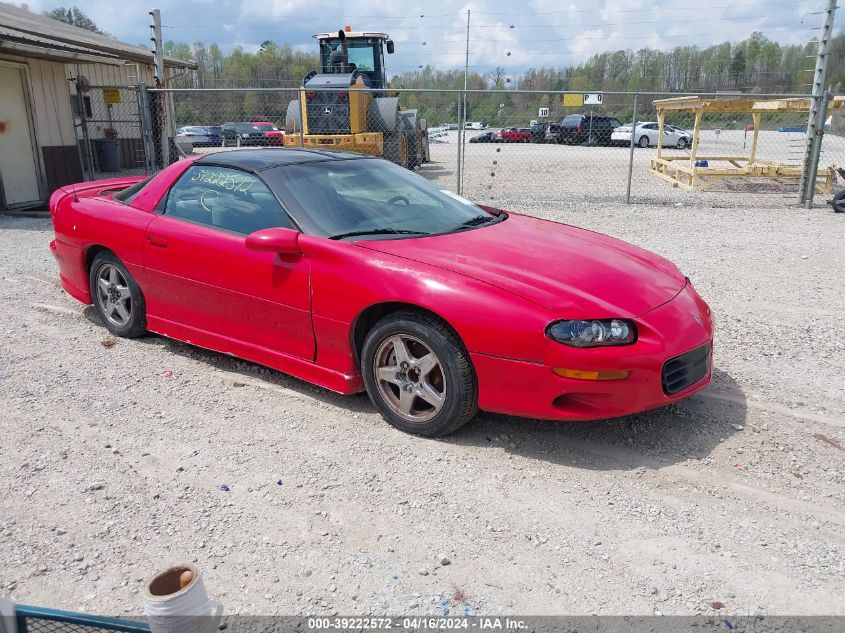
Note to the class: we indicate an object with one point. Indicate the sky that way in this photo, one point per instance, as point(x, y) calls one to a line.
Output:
point(512, 34)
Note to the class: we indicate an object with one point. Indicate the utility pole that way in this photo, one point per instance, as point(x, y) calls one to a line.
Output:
point(815, 122)
point(159, 112)
point(466, 62)
point(158, 48)
point(462, 123)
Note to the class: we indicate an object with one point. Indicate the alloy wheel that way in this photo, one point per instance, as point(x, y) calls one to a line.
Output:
point(113, 295)
point(410, 378)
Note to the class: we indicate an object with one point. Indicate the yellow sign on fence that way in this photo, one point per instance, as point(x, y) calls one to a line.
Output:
point(573, 100)
point(111, 95)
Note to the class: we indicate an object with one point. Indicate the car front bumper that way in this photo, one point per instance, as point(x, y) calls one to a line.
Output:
point(529, 389)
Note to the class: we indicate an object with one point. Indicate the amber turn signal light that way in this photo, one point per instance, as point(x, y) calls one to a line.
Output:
point(582, 374)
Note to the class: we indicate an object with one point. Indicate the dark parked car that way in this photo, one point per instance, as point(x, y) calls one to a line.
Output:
point(214, 134)
point(577, 129)
point(241, 134)
point(538, 132)
point(487, 137)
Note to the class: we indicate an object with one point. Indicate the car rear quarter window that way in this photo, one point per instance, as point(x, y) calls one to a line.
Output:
point(227, 199)
point(128, 195)
point(572, 119)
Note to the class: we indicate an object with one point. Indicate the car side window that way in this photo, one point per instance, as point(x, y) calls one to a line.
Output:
point(227, 199)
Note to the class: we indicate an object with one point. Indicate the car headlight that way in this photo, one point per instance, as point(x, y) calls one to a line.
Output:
point(595, 333)
point(244, 135)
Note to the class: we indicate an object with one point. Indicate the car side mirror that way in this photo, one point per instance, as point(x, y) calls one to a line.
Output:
point(390, 47)
point(274, 240)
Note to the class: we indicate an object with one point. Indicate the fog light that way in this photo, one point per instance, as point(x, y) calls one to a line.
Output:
point(584, 374)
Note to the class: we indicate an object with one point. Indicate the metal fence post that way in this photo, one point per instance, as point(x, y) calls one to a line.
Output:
point(301, 124)
point(631, 151)
point(460, 144)
point(146, 128)
point(813, 168)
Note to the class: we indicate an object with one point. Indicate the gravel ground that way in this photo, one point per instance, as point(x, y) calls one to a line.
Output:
point(565, 176)
point(120, 457)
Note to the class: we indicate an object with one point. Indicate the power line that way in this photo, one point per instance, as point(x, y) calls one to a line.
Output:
point(461, 14)
point(698, 7)
point(562, 39)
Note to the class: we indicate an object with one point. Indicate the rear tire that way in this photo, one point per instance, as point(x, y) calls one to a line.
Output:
point(419, 375)
point(409, 125)
point(838, 202)
point(117, 299)
point(643, 142)
point(396, 148)
point(383, 114)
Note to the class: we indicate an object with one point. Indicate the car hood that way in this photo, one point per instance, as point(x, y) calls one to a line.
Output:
point(579, 273)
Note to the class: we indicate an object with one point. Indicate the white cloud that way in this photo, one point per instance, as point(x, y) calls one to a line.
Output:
point(544, 33)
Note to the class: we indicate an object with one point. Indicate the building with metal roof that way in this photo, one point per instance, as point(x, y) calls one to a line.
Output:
point(67, 102)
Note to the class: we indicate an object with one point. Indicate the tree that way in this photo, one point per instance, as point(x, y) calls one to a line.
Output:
point(75, 17)
point(497, 77)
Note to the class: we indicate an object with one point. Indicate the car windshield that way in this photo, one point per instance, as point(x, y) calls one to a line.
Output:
point(267, 127)
point(370, 198)
point(245, 127)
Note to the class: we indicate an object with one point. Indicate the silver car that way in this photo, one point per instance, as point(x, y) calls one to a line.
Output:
point(194, 134)
point(646, 135)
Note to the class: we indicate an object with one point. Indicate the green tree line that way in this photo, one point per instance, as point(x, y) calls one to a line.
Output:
point(754, 65)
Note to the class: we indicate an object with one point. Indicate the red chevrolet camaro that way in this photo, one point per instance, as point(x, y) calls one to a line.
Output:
point(352, 273)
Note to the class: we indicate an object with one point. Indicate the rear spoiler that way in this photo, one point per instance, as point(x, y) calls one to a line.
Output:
point(86, 187)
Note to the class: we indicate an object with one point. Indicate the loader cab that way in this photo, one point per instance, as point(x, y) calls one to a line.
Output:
point(346, 51)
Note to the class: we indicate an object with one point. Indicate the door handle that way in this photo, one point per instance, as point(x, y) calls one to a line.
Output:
point(157, 241)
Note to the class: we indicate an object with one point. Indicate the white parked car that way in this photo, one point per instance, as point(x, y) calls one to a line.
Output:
point(475, 125)
point(193, 134)
point(646, 135)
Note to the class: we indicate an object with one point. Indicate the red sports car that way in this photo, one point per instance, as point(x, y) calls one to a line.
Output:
point(352, 273)
point(274, 135)
point(515, 135)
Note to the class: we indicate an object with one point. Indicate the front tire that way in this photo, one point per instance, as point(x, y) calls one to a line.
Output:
point(643, 142)
point(117, 299)
point(419, 375)
point(682, 143)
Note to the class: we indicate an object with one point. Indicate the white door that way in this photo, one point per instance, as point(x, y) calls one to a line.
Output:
point(18, 173)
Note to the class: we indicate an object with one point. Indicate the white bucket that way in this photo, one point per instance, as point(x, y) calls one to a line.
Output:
point(172, 608)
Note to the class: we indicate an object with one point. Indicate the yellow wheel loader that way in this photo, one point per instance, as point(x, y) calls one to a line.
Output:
point(348, 104)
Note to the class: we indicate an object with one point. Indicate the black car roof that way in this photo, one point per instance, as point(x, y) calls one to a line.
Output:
point(267, 158)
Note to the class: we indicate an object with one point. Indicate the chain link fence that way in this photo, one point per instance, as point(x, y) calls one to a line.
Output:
point(110, 131)
point(516, 149)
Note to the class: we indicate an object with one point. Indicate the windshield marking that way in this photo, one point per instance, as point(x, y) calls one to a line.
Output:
point(224, 180)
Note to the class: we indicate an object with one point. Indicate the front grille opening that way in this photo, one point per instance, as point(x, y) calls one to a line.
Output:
point(684, 370)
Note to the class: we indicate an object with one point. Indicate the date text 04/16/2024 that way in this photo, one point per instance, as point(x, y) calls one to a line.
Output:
point(415, 623)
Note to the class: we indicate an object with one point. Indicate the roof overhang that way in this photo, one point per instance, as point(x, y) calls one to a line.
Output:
point(34, 35)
